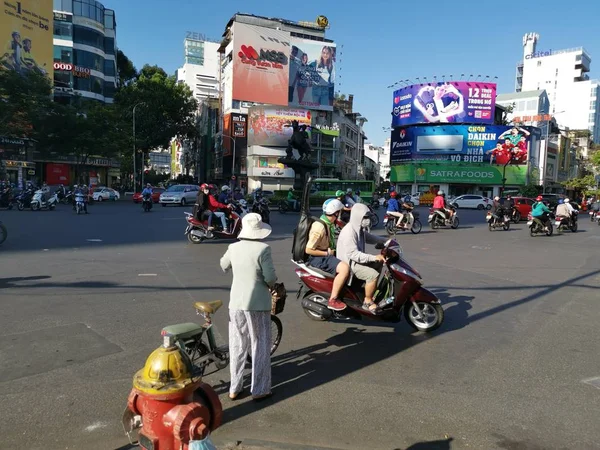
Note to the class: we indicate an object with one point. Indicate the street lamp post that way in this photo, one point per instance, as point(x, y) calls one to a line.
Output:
point(134, 151)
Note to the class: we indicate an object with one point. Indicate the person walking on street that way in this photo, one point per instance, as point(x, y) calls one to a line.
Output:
point(250, 307)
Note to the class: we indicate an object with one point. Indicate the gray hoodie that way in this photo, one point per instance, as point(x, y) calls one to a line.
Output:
point(351, 241)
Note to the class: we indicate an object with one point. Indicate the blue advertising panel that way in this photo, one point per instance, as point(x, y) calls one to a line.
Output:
point(451, 102)
point(492, 144)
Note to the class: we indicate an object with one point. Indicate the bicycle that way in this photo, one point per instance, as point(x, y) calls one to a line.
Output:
point(199, 341)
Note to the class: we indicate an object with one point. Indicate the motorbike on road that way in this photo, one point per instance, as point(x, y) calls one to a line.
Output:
point(6, 198)
point(24, 199)
point(595, 216)
point(515, 215)
point(400, 292)
point(536, 226)
point(38, 203)
point(147, 202)
point(284, 206)
point(498, 220)
point(261, 206)
point(197, 231)
point(437, 219)
point(562, 222)
point(200, 343)
point(392, 226)
point(79, 203)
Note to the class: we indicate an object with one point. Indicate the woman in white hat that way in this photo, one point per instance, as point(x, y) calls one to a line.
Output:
point(250, 306)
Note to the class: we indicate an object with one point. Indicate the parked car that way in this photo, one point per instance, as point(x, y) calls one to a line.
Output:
point(523, 205)
point(137, 197)
point(472, 201)
point(102, 194)
point(179, 194)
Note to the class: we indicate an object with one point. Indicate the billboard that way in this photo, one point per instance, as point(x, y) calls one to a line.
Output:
point(272, 127)
point(451, 102)
point(235, 126)
point(260, 64)
point(26, 30)
point(467, 144)
point(452, 172)
point(312, 74)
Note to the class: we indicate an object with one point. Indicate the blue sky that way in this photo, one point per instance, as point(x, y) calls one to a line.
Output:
point(383, 41)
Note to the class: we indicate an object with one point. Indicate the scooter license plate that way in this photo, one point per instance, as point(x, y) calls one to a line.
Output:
point(557, 223)
point(530, 223)
point(430, 217)
point(385, 220)
point(488, 216)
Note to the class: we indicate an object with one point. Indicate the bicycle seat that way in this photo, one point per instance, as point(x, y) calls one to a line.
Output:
point(208, 307)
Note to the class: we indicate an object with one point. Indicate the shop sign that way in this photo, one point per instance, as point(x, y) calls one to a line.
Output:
point(19, 164)
point(458, 173)
point(11, 141)
point(270, 172)
point(31, 172)
point(62, 17)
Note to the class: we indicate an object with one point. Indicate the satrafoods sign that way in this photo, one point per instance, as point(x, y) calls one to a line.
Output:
point(458, 173)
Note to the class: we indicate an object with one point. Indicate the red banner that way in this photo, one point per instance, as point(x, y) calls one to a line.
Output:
point(57, 174)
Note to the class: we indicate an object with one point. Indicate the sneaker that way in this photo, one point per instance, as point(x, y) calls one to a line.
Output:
point(335, 304)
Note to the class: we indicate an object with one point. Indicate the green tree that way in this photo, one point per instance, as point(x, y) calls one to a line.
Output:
point(586, 185)
point(25, 100)
point(125, 69)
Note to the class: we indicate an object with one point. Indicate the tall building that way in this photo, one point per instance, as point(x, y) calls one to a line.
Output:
point(201, 68)
point(85, 51)
point(274, 71)
point(563, 74)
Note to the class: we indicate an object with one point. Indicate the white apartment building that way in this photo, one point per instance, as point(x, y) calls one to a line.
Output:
point(201, 68)
point(563, 74)
point(381, 157)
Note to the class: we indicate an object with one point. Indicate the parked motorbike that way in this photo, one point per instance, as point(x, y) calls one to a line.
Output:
point(67, 199)
point(197, 231)
point(3, 233)
point(24, 199)
point(437, 219)
point(261, 206)
point(562, 222)
point(537, 227)
point(38, 203)
point(400, 292)
point(498, 220)
point(147, 202)
point(79, 203)
point(392, 226)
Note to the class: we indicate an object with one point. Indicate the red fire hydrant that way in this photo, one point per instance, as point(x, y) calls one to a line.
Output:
point(168, 405)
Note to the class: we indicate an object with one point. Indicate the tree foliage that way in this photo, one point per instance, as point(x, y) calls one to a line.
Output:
point(166, 108)
point(125, 69)
point(530, 190)
point(586, 185)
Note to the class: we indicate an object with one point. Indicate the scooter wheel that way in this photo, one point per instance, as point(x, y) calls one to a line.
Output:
point(311, 314)
point(432, 316)
point(194, 239)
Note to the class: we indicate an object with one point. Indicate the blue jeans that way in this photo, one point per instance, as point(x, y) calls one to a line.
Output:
point(221, 215)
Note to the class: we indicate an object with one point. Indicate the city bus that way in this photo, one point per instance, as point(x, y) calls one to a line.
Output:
point(328, 187)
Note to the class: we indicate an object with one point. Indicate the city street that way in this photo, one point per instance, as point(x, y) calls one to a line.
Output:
point(514, 366)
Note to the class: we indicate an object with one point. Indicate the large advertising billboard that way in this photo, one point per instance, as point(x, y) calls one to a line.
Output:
point(26, 29)
point(312, 74)
point(270, 126)
point(449, 102)
point(452, 172)
point(260, 64)
point(466, 144)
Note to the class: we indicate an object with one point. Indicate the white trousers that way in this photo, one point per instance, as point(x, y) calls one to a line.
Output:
point(250, 333)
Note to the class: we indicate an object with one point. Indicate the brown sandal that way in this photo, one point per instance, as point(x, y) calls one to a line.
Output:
point(368, 306)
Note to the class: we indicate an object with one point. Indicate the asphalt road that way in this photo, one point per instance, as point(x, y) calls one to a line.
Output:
point(515, 365)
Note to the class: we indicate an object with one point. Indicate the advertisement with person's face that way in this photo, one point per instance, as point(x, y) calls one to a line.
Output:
point(260, 64)
point(270, 126)
point(471, 144)
point(453, 102)
point(26, 28)
point(312, 74)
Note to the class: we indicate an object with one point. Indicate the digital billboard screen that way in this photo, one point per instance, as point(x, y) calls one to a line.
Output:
point(466, 144)
point(271, 126)
point(448, 102)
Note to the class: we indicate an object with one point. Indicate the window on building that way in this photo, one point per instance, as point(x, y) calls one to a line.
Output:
point(63, 78)
point(109, 89)
point(86, 36)
point(83, 84)
point(593, 105)
point(90, 9)
point(539, 63)
point(520, 106)
point(63, 5)
point(97, 85)
point(63, 54)
point(578, 58)
point(532, 105)
point(63, 30)
point(235, 104)
point(592, 117)
point(88, 60)
point(109, 46)
point(109, 68)
point(109, 19)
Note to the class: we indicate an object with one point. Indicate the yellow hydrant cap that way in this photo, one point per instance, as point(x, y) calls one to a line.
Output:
point(167, 370)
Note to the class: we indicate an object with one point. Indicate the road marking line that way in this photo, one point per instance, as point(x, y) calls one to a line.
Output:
point(595, 382)
point(146, 274)
point(94, 240)
point(95, 426)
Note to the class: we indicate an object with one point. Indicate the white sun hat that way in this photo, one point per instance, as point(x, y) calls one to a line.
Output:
point(254, 228)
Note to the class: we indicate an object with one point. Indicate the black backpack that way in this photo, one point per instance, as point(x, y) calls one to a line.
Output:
point(303, 228)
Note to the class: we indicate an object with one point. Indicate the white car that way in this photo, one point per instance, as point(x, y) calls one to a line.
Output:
point(472, 201)
point(179, 194)
point(105, 194)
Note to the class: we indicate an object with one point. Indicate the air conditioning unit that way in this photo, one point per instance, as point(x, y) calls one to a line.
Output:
point(440, 144)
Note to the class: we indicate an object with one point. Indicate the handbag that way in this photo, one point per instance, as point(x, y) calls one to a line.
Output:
point(278, 296)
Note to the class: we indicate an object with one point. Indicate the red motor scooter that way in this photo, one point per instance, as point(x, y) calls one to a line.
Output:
point(399, 291)
point(197, 231)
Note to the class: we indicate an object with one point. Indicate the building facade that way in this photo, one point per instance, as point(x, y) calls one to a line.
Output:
point(85, 51)
point(200, 70)
point(564, 75)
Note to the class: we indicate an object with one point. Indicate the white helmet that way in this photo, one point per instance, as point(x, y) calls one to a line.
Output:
point(440, 192)
point(331, 206)
point(225, 188)
point(243, 203)
point(496, 198)
point(567, 200)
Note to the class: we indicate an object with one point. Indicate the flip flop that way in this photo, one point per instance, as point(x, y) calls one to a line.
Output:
point(368, 307)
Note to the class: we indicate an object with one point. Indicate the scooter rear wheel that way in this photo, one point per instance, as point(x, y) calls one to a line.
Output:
point(311, 314)
point(194, 239)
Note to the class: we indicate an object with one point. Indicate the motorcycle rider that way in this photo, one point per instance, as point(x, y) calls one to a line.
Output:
point(395, 209)
point(351, 250)
point(357, 198)
point(562, 209)
point(321, 250)
point(439, 204)
point(81, 191)
point(349, 202)
point(497, 208)
point(237, 194)
point(202, 205)
point(291, 199)
point(225, 194)
point(45, 191)
point(216, 207)
point(509, 205)
point(540, 211)
point(595, 207)
point(147, 191)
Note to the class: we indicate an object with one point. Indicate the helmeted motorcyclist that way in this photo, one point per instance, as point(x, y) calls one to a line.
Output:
point(225, 194)
point(147, 190)
point(349, 202)
point(540, 211)
point(291, 199)
point(202, 205)
point(357, 198)
point(237, 194)
point(217, 207)
point(351, 250)
point(395, 209)
point(497, 207)
point(79, 190)
point(439, 204)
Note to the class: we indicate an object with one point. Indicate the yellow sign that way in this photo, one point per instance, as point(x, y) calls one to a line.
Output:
point(173, 157)
point(322, 21)
point(26, 29)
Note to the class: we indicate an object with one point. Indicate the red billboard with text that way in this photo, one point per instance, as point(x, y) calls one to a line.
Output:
point(260, 64)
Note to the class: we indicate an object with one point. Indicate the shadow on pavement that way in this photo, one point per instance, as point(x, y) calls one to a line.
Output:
point(430, 445)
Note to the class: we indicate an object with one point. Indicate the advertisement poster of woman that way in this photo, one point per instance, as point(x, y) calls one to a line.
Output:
point(442, 103)
point(312, 75)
